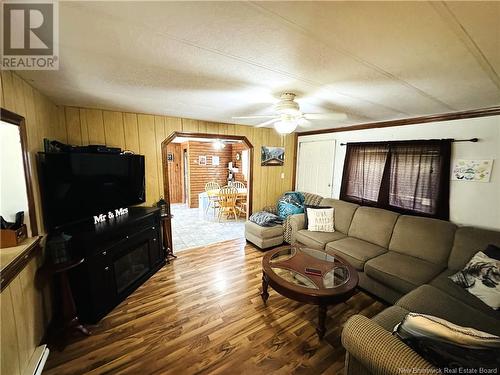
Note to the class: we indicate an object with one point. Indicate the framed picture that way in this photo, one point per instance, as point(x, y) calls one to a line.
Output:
point(472, 170)
point(272, 156)
point(215, 160)
point(202, 160)
point(170, 157)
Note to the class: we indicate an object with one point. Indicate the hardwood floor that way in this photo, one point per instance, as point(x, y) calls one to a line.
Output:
point(203, 314)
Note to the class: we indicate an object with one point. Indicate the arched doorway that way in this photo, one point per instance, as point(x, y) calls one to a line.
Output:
point(166, 175)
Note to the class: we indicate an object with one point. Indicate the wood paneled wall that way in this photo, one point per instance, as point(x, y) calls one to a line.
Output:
point(138, 132)
point(26, 308)
point(25, 311)
point(199, 175)
point(144, 134)
point(175, 173)
point(43, 120)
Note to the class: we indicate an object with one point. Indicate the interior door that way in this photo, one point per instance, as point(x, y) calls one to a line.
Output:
point(186, 177)
point(315, 167)
point(166, 220)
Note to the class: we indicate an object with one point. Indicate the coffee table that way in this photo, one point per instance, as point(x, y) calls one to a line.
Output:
point(284, 269)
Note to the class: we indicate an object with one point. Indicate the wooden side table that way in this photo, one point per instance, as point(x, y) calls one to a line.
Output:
point(71, 322)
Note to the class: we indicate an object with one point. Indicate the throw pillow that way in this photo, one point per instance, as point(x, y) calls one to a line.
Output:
point(481, 277)
point(447, 345)
point(265, 219)
point(306, 206)
point(493, 251)
point(320, 220)
point(290, 203)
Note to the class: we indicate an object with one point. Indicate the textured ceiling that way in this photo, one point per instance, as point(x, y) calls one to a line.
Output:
point(214, 60)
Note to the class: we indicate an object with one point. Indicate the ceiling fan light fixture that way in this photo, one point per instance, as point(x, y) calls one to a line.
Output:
point(218, 144)
point(285, 127)
point(287, 107)
point(290, 111)
point(288, 116)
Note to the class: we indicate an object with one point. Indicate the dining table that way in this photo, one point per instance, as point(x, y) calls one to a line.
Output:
point(203, 199)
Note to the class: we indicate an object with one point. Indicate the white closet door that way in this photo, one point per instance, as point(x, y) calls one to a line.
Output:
point(315, 167)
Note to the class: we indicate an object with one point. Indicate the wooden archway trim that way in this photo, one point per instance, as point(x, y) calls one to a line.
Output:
point(172, 136)
point(18, 120)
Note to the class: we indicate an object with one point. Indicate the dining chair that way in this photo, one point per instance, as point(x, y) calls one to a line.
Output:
point(227, 201)
point(212, 190)
point(241, 202)
point(239, 185)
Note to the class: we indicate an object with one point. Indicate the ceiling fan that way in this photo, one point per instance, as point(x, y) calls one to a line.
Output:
point(288, 115)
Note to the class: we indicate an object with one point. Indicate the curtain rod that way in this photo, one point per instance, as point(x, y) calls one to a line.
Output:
point(453, 140)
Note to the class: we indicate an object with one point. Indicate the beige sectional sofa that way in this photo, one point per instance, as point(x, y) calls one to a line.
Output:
point(264, 237)
point(404, 260)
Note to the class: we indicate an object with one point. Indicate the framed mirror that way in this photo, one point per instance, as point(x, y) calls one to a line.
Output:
point(16, 191)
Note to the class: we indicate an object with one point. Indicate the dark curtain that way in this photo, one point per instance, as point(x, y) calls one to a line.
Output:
point(363, 170)
point(408, 176)
point(419, 177)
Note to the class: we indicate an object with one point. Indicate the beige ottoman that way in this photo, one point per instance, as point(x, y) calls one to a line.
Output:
point(264, 237)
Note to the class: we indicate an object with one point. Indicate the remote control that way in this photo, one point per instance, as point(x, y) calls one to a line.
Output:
point(313, 271)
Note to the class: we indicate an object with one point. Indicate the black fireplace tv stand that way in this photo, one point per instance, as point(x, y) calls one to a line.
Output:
point(120, 255)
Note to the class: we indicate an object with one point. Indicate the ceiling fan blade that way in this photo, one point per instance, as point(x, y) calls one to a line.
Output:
point(256, 116)
point(267, 123)
point(303, 123)
point(325, 116)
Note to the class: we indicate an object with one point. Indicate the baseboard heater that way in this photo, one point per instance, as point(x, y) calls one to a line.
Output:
point(37, 361)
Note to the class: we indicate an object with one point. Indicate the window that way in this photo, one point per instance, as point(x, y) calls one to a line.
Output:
point(363, 170)
point(407, 176)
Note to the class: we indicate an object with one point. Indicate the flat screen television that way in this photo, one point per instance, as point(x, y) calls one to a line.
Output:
point(77, 186)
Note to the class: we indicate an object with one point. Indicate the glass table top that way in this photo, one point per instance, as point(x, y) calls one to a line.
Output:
point(290, 264)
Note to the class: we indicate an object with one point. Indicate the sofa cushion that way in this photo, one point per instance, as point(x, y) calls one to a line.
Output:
point(310, 198)
point(375, 287)
point(263, 243)
point(468, 241)
point(355, 251)
point(317, 240)
point(373, 225)
point(428, 299)
point(443, 283)
point(344, 211)
point(401, 272)
point(263, 232)
point(423, 238)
